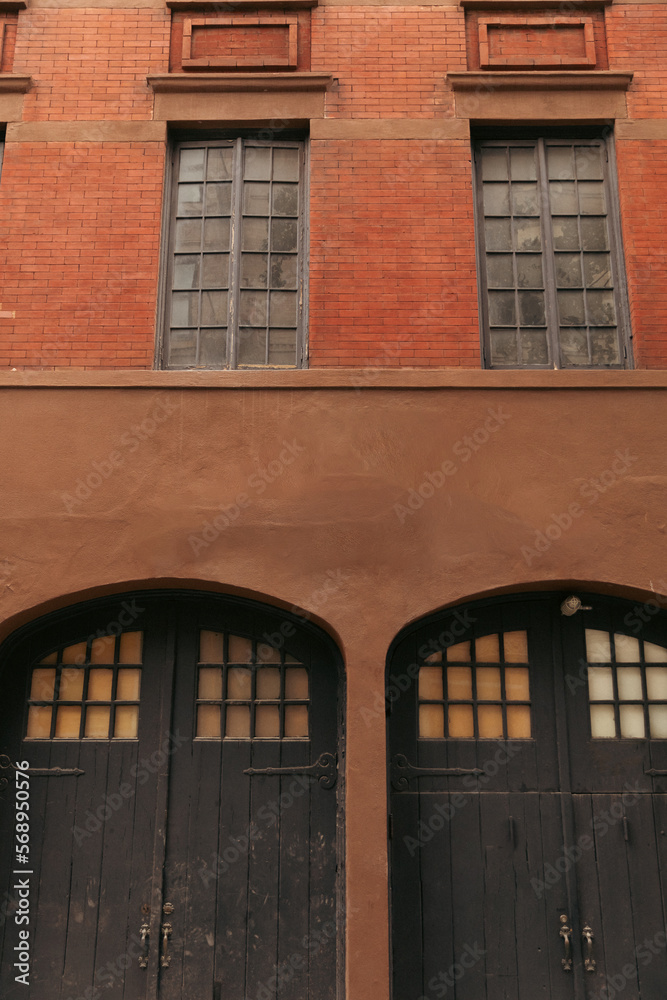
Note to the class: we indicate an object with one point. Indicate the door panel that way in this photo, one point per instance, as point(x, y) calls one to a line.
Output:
point(172, 830)
point(562, 827)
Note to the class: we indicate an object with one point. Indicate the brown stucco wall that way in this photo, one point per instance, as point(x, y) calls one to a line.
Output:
point(333, 532)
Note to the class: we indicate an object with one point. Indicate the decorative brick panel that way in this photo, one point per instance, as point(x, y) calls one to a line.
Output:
point(244, 42)
point(541, 42)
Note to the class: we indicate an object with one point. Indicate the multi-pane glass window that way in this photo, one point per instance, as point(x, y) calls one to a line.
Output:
point(551, 284)
point(87, 690)
point(477, 689)
point(249, 690)
point(235, 282)
point(627, 686)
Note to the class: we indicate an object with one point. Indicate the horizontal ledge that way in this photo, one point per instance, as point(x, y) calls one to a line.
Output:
point(505, 5)
point(189, 83)
point(217, 5)
point(496, 80)
point(12, 5)
point(336, 378)
point(12, 84)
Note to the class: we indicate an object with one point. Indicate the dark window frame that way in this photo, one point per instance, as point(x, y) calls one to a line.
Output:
point(539, 139)
point(240, 140)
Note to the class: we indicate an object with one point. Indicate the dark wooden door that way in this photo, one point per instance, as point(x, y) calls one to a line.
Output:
point(506, 856)
point(165, 861)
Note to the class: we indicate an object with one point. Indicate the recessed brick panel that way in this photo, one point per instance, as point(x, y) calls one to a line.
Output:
point(536, 42)
point(240, 42)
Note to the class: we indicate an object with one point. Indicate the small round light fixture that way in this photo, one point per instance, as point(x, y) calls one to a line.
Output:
point(571, 605)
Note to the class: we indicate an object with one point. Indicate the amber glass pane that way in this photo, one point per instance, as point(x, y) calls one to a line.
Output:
point(629, 680)
point(517, 684)
point(488, 683)
point(240, 649)
point(75, 654)
point(239, 682)
point(267, 654)
point(490, 721)
point(632, 721)
point(652, 653)
point(43, 681)
point(208, 721)
point(598, 647)
point(291, 659)
point(627, 649)
point(487, 649)
point(68, 718)
point(430, 682)
point(460, 722)
point(432, 721)
point(97, 722)
point(296, 682)
point(71, 685)
point(53, 658)
point(210, 647)
point(518, 722)
point(237, 723)
point(268, 682)
point(99, 684)
point(460, 653)
point(603, 724)
point(657, 715)
point(102, 649)
point(656, 683)
point(210, 683)
point(600, 684)
point(434, 658)
point(267, 721)
point(126, 726)
point(39, 722)
point(131, 644)
point(296, 720)
point(459, 683)
point(516, 647)
point(128, 684)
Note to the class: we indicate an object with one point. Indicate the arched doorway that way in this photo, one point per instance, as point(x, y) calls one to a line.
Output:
point(528, 771)
point(175, 756)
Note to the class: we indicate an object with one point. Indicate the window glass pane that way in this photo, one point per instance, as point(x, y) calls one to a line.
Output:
point(560, 163)
point(601, 308)
point(253, 308)
point(257, 163)
point(603, 723)
point(239, 682)
point(42, 684)
point(460, 722)
point(102, 649)
point(284, 235)
point(182, 347)
point(654, 653)
point(99, 684)
point(496, 199)
point(97, 722)
point(534, 347)
point(71, 684)
point(190, 199)
point(657, 715)
point(523, 164)
point(252, 347)
point(632, 721)
point(296, 682)
point(594, 234)
point(127, 722)
point(531, 308)
point(499, 271)
point(487, 648)
point(191, 166)
point(459, 683)
point(254, 268)
point(600, 684)
point(184, 308)
point(282, 347)
point(267, 653)
point(571, 308)
point(286, 164)
point(214, 308)
point(283, 271)
point(267, 721)
point(237, 721)
point(39, 722)
point(210, 683)
point(268, 682)
point(488, 683)
point(256, 199)
point(432, 721)
point(51, 658)
point(518, 722)
point(503, 347)
point(216, 234)
point(283, 309)
point(498, 234)
point(494, 164)
point(565, 234)
point(502, 310)
point(208, 721)
point(218, 199)
point(517, 686)
point(459, 653)
point(626, 648)
point(187, 234)
point(527, 234)
point(285, 199)
point(220, 163)
point(296, 721)
point(75, 654)
point(210, 646)
point(128, 684)
point(568, 270)
point(629, 680)
point(597, 270)
point(605, 348)
point(574, 347)
point(529, 271)
point(515, 646)
point(255, 234)
point(68, 721)
point(524, 199)
point(588, 162)
point(591, 198)
point(490, 721)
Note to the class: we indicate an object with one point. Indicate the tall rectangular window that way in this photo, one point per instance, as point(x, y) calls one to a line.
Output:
point(552, 286)
point(235, 280)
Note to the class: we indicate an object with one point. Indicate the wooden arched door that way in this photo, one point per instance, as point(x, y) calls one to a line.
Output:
point(528, 771)
point(175, 760)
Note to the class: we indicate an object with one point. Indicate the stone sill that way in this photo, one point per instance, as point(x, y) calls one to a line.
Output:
point(10, 83)
point(506, 5)
point(335, 378)
point(9, 6)
point(219, 5)
point(187, 83)
point(490, 81)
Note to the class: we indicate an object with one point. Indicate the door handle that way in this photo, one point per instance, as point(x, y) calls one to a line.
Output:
point(144, 933)
point(566, 934)
point(589, 961)
point(166, 931)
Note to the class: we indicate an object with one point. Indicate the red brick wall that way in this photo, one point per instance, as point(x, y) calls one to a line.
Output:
point(79, 231)
point(392, 264)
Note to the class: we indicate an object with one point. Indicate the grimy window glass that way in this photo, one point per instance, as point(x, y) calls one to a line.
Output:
point(552, 293)
point(235, 276)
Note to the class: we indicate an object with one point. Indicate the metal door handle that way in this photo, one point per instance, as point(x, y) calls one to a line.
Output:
point(566, 934)
point(165, 957)
point(589, 961)
point(144, 932)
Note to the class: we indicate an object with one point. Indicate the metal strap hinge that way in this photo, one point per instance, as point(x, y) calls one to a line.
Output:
point(323, 770)
point(402, 771)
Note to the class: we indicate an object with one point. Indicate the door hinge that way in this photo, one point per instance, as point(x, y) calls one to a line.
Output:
point(323, 770)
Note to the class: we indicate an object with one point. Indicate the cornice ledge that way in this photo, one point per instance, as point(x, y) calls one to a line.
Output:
point(197, 83)
point(505, 5)
point(12, 5)
point(218, 6)
point(10, 83)
point(492, 80)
